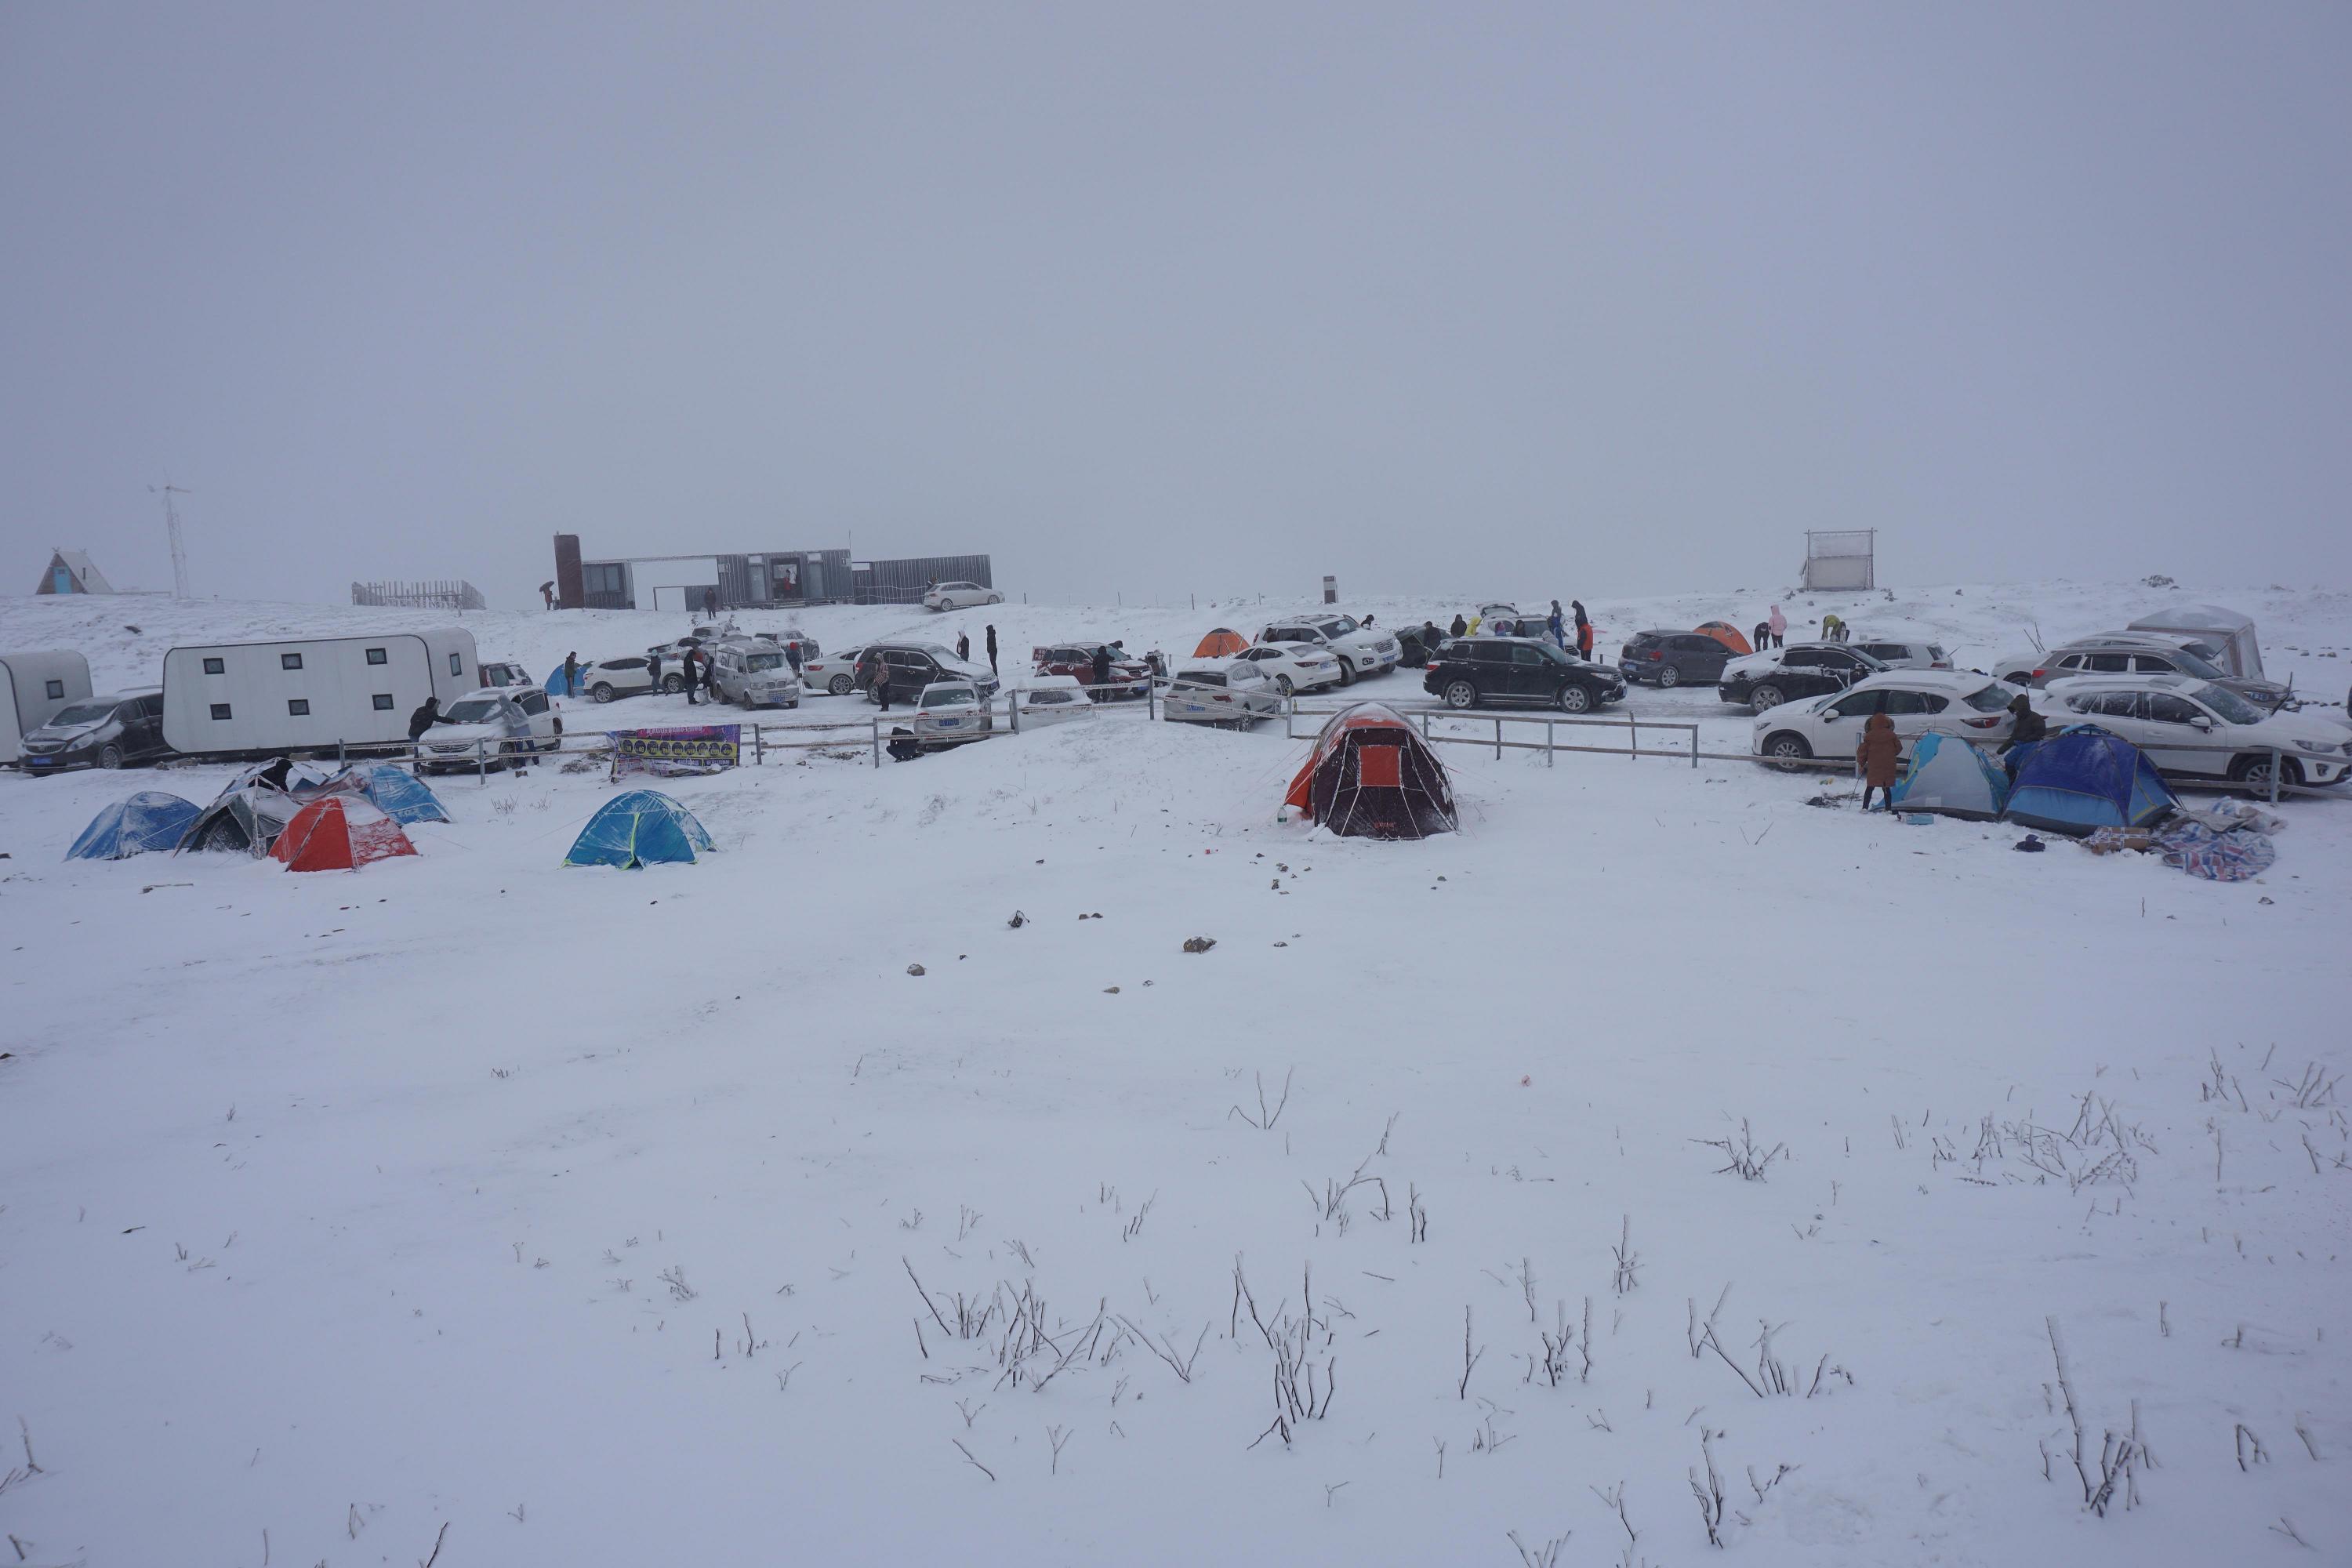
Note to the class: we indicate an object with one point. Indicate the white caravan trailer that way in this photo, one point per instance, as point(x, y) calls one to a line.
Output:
point(314, 695)
point(33, 686)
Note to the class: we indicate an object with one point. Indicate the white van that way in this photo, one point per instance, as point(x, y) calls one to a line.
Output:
point(312, 694)
point(33, 686)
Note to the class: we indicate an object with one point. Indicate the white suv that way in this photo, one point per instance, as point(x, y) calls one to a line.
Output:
point(959, 597)
point(489, 729)
point(1966, 707)
point(1360, 650)
point(2194, 728)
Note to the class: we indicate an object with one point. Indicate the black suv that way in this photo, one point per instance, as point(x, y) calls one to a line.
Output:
point(1477, 672)
point(1669, 658)
point(1762, 680)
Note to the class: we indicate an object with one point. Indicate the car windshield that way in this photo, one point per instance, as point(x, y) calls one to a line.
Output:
point(81, 713)
point(953, 697)
point(473, 710)
point(765, 661)
point(2228, 704)
point(1989, 699)
point(2192, 665)
point(1339, 627)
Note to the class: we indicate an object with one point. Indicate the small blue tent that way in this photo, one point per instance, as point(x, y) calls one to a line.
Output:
point(400, 795)
point(148, 820)
point(554, 681)
point(2082, 779)
point(1952, 778)
point(639, 828)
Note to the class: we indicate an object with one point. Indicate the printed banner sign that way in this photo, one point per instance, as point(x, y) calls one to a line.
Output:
point(667, 754)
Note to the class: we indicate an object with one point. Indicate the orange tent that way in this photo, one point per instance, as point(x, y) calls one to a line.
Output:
point(1727, 634)
point(339, 833)
point(1223, 643)
point(1372, 774)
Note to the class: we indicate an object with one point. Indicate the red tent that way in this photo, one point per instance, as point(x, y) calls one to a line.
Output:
point(339, 833)
point(1370, 774)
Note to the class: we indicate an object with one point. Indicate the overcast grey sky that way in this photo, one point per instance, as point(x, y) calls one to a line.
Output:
point(1571, 299)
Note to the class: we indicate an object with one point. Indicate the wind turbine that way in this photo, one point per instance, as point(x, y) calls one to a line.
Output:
point(171, 526)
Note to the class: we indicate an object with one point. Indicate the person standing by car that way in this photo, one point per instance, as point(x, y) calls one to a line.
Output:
point(686, 665)
point(572, 674)
point(1101, 673)
point(424, 718)
point(1876, 757)
point(1559, 625)
point(963, 646)
point(991, 650)
point(1460, 627)
point(793, 654)
point(710, 676)
point(2027, 726)
point(1583, 629)
point(881, 680)
point(1762, 636)
point(1779, 625)
point(653, 669)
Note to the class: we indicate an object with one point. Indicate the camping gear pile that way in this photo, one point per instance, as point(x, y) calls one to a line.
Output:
point(2231, 843)
point(1371, 774)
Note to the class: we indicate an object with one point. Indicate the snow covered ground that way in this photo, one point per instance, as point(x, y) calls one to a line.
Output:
point(579, 1213)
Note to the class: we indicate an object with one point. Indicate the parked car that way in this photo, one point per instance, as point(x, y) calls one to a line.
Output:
point(99, 733)
point(1483, 671)
point(1967, 706)
point(1416, 646)
point(1762, 680)
point(2201, 728)
point(2138, 653)
point(1490, 616)
point(1906, 655)
point(959, 597)
point(834, 673)
point(914, 666)
point(1294, 666)
point(1130, 678)
point(494, 727)
point(506, 674)
point(1669, 658)
point(611, 678)
point(1052, 700)
point(948, 712)
point(754, 673)
point(1360, 650)
point(1220, 691)
point(787, 637)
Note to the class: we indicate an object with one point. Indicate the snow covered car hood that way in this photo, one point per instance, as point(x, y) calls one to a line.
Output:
point(1751, 664)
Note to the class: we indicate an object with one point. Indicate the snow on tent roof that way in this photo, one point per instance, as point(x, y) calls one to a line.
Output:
point(150, 820)
point(1729, 636)
point(639, 828)
point(2083, 778)
point(1951, 777)
point(339, 832)
point(1372, 774)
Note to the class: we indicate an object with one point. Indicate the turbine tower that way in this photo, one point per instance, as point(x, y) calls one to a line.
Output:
point(172, 527)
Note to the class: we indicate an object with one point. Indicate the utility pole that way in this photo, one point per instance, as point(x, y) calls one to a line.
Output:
point(172, 527)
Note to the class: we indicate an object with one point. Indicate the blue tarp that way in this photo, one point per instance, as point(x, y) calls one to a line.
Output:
point(2082, 779)
point(554, 681)
point(639, 828)
point(1953, 778)
point(146, 821)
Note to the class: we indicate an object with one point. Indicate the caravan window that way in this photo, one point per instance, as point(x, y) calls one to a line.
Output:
point(457, 664)
point(299, 707)
point(290, 661)
point(216, 667)
point(382, 702)
point(220, 709)
point(376, 656)
point(56, 690)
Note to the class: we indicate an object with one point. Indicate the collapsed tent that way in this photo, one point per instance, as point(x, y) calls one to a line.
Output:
point(1727, 634)
point(147, 821)
point(2229, 633)
point(1221, 643)
point(639, 828)
point(279, 773)
point(1372, 774)
point(399, 795)
point(1951, 777)
point(248, 818)
point(2085, 778)
point(339, 832)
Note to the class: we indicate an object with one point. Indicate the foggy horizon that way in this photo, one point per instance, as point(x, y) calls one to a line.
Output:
point(1601, 303)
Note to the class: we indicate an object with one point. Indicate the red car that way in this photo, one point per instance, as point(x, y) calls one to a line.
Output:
point(1131, 677)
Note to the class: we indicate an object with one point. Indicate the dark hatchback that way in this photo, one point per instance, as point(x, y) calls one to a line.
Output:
point(1520, 672)
point(1761, 680)
point(1670, 658)
point(99, 733)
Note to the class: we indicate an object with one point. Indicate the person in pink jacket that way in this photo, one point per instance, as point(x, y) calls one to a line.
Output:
point(1780, 624)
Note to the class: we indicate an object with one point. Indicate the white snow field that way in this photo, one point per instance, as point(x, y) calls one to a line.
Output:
point(562, 1216)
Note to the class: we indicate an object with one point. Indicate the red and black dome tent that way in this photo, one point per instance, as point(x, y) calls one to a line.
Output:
point(1371, 774)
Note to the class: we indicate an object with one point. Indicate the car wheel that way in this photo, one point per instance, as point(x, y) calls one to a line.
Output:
point(1347, 673)
point(109, 756)
point(1574, 698)
point(840, 685)
point(1461, 694)
point(602, 691)
point(2254, 773)
point(996, 598)
point(1668, 675)
point(1787, 747)
point(1764, 697)
point(1282, 684)
point(673, 684)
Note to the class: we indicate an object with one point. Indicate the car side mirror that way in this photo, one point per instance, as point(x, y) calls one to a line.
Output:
point(2203, 723)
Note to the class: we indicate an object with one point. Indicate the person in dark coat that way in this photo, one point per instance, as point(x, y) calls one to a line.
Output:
point(881, 678)
point(793, 653)
point(1583, 629)
point(1762, 637)
point(963, 645)
point(1101, 672)
point(653, 666)
point(711, 678)
point(2027, 725)
point(685, 667)
point(710, 602)
point(1460, 625)
point(1877, 757)
point(424, 718)
point(572, 675)
point(991, 650)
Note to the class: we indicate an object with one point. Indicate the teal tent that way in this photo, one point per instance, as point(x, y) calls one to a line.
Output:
point(148, 820)
point(1951, 777)
point(639, 828)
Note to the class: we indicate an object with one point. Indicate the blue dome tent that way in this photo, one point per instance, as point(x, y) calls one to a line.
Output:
point(553, 684)
point(147, 821)
point(2084, 779)
point(400, 795)
point(640, 827)
point(1951, 777)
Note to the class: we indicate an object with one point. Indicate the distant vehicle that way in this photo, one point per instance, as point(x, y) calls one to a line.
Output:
point(1052, 700)
point(1418, 645)
point(914, 666)
point(1906, 655)
point(494, 727)
point(1762, 680)
point(788, 636)
point(1220, 691)
point(1667, 658)
point(2201, 728)
point(99, 733)
point(754, 673)
point(1966, 706)
point(959, 597)
point(310, 694)
point(33, 686)
point(1131, 677)
point(1360, 650)
point(1488, 615)
point(506, 674)
point(608, 678)
point(835, 674)
point(1523, 672)
point(2139, 653)
point(1294, 666)
point(948, 712)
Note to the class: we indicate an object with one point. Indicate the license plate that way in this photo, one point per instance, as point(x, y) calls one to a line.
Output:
point(40, 762)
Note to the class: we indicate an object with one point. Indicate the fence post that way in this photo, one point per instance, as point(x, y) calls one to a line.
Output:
point(759, 747)
point(1693, 735)
point(1551, 758)
point(1633, 736)
point(481, 765)
point(876, 722)
point(1499, 740)
point(2278, 766)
